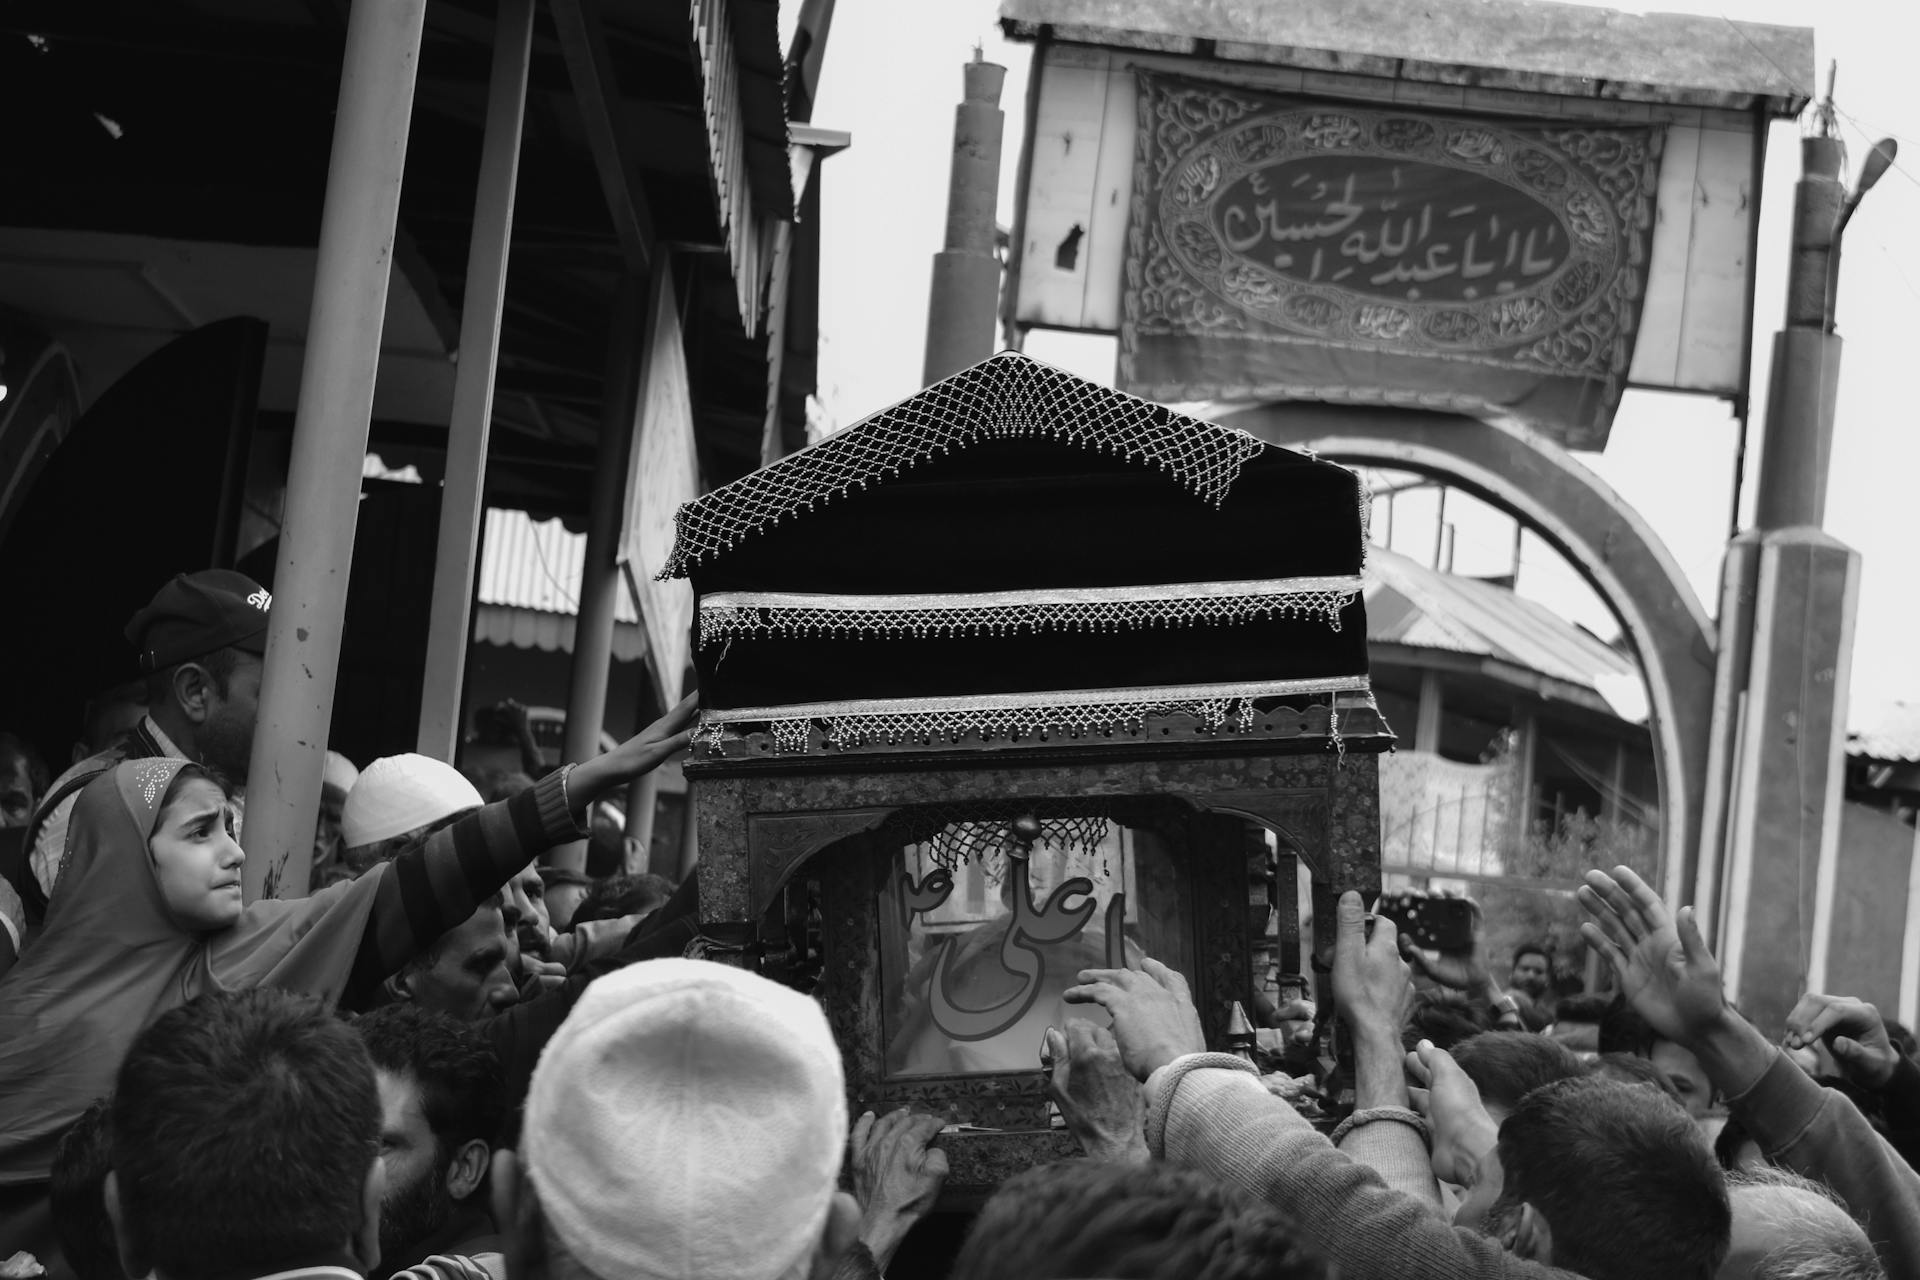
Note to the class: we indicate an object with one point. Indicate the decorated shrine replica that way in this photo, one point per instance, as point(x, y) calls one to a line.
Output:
point(1019, 676)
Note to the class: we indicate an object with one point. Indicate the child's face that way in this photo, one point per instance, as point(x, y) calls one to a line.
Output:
point(196, 859)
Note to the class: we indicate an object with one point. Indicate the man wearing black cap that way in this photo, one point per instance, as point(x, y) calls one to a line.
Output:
point(199, 643)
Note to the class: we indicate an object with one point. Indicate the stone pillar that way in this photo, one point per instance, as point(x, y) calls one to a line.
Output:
point(966, 274)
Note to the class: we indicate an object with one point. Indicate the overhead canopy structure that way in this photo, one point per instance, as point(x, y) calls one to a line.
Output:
point(175, 165)
point(1017, 555)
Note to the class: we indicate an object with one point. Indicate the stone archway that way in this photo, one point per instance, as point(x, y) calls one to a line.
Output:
point(1580, 516)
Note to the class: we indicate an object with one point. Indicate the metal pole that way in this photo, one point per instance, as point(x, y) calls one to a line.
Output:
point(461, 497)
point(600, 574)
point(966, 274)
point(330, 424)
point(642, 795)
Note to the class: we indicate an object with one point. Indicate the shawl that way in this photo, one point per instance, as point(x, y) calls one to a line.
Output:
point(111, 960)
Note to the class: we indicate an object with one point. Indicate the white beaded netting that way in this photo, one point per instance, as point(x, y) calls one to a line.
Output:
point(720, 623)
point(951, 834)
point(1007, 396)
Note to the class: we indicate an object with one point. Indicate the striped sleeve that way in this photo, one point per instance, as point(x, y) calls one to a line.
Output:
point(434, 886)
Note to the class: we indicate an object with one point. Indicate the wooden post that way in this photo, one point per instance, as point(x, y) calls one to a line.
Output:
point(330, 424)
point(600, 572)
point(463, 494)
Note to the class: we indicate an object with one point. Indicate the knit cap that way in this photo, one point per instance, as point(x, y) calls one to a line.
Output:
point(398, 794)
point(687, 1121)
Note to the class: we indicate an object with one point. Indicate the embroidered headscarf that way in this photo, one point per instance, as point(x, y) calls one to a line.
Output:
point(112, 959)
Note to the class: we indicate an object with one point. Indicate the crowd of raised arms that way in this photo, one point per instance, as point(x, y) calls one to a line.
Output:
point(447, 1063)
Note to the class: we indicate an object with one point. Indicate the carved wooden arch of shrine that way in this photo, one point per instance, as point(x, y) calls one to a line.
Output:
point(1581, 517)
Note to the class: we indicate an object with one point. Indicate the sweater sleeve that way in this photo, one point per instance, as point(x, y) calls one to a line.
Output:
point(1900, 1106)
point(1398, 1153)
point(1223, 1122)
point(432, 887)
point(1820, 1134)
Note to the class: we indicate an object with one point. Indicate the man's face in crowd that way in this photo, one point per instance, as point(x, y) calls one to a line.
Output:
point(226, 735)
point(16, 792)
point(417, 1202)
point(1530, 973)
point(469, 979)
point(1684, 1072)
point(526, 910)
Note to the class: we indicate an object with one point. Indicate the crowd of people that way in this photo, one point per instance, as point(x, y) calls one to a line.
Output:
point(443, 1064)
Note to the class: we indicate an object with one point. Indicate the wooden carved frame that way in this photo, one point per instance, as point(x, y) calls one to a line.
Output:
point(760, 828)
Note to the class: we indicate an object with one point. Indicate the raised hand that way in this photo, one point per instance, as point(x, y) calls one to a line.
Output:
point(639, 755)
point(1463, 1132)
point(1666, 972)
point(1154, 1020)
point(1372, 984)
point(1852, 1029)
point(1103, 1105)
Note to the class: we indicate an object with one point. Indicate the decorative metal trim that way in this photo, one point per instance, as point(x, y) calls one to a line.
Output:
point(728, 615)
point(1066, 712)
point(1006, 396)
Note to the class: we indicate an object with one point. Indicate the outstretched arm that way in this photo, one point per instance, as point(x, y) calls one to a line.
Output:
point(432, 888)
point(1673, 981)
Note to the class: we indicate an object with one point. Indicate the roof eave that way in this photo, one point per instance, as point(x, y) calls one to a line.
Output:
point(1524, 45)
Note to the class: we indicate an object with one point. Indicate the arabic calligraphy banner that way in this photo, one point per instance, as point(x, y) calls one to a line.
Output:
point(1285, 249)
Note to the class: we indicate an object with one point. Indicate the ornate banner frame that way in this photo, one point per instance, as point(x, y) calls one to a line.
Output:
point(1281, 248)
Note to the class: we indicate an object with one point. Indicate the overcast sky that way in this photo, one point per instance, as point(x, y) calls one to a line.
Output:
point(892, 78)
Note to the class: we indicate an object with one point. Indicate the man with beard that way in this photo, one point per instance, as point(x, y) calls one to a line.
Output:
point(200, 644)
point(442, 1102)
point(1530, 985)
point(467, 974)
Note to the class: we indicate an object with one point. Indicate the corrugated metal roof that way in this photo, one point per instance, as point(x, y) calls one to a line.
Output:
point(1410, 604)
point(1892, 733)
point(530, 588)
point(528, 564)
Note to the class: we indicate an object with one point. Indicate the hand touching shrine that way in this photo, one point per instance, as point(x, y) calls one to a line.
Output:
point(897, 1175)
point(1103, 1105)
point(637, 756)
point(1154, 1020)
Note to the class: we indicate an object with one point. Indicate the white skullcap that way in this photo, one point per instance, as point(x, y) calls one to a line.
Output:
point(339, 773)
point(397, 794)
point(687, 1121)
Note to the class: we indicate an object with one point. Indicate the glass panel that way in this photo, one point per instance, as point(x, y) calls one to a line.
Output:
point(974, 958)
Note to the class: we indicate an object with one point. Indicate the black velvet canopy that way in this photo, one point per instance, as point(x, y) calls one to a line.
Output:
point(1014, 554)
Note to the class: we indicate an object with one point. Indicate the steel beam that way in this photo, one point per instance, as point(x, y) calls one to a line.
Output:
point(357, 225)
point(597, 90)
point(462, 496)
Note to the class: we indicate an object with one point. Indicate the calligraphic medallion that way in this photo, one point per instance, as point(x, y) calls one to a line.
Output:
point(1288, 249)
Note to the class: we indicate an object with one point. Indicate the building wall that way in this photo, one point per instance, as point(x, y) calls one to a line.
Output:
point(1870, 906)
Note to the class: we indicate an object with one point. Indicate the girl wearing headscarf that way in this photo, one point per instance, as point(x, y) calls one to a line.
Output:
point(147, 915)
